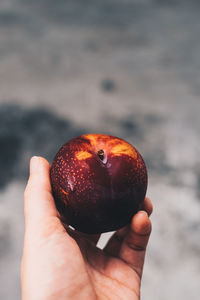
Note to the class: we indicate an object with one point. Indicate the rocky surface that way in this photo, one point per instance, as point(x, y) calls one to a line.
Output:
point(126, 68)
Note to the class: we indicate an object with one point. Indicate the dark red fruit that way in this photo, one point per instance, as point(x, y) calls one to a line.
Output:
point(99, 182)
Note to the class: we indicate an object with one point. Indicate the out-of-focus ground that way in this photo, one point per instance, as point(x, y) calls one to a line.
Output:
point(129, 68)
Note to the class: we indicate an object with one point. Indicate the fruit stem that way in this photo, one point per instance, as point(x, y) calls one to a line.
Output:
point(101, 154)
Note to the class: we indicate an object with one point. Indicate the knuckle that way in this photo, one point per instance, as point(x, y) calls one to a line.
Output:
point(136, 247)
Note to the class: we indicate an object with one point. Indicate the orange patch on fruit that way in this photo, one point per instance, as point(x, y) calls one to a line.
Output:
point(95, 139)
point(111, 144)
point(92, 138)
point(64, 192)
point(82, 155)
point(124, 148)
point(67, 196)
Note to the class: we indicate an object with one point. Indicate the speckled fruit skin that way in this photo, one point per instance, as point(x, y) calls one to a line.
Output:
point(99, 182)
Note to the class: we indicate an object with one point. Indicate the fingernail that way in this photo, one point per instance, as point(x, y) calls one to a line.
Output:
point(34, 163)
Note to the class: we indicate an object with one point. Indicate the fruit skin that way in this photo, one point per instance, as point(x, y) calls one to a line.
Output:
point(98, 191)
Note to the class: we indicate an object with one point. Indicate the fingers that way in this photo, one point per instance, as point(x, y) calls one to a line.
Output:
point(133, 247)
point(147, 206)
point(38, 200)
point(114, 244)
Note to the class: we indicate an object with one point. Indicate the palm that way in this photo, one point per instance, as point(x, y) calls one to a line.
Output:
point(98, 273)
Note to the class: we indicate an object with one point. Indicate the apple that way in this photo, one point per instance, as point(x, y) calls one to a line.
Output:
point(99, 182)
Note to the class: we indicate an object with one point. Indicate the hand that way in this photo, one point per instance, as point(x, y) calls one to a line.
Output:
point(61, 263)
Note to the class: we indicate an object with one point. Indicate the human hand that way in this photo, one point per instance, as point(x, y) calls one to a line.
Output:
point(61, 263)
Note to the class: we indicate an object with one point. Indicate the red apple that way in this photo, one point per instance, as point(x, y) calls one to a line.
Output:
point(99, 182)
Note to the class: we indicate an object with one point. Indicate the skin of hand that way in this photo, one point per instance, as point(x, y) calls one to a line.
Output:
point(61, 263)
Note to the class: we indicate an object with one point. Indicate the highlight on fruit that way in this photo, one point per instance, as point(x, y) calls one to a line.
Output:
point(99, 182)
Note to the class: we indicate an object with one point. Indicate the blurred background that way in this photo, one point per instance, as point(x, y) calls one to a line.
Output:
point(128, 68)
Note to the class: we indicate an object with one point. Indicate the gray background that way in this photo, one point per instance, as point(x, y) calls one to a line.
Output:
point(128, 68)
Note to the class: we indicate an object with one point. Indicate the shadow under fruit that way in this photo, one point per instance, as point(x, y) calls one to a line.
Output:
point(99, 182)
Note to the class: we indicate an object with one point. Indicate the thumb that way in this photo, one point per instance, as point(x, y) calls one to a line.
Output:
point(38, 199)
point(134, 245)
